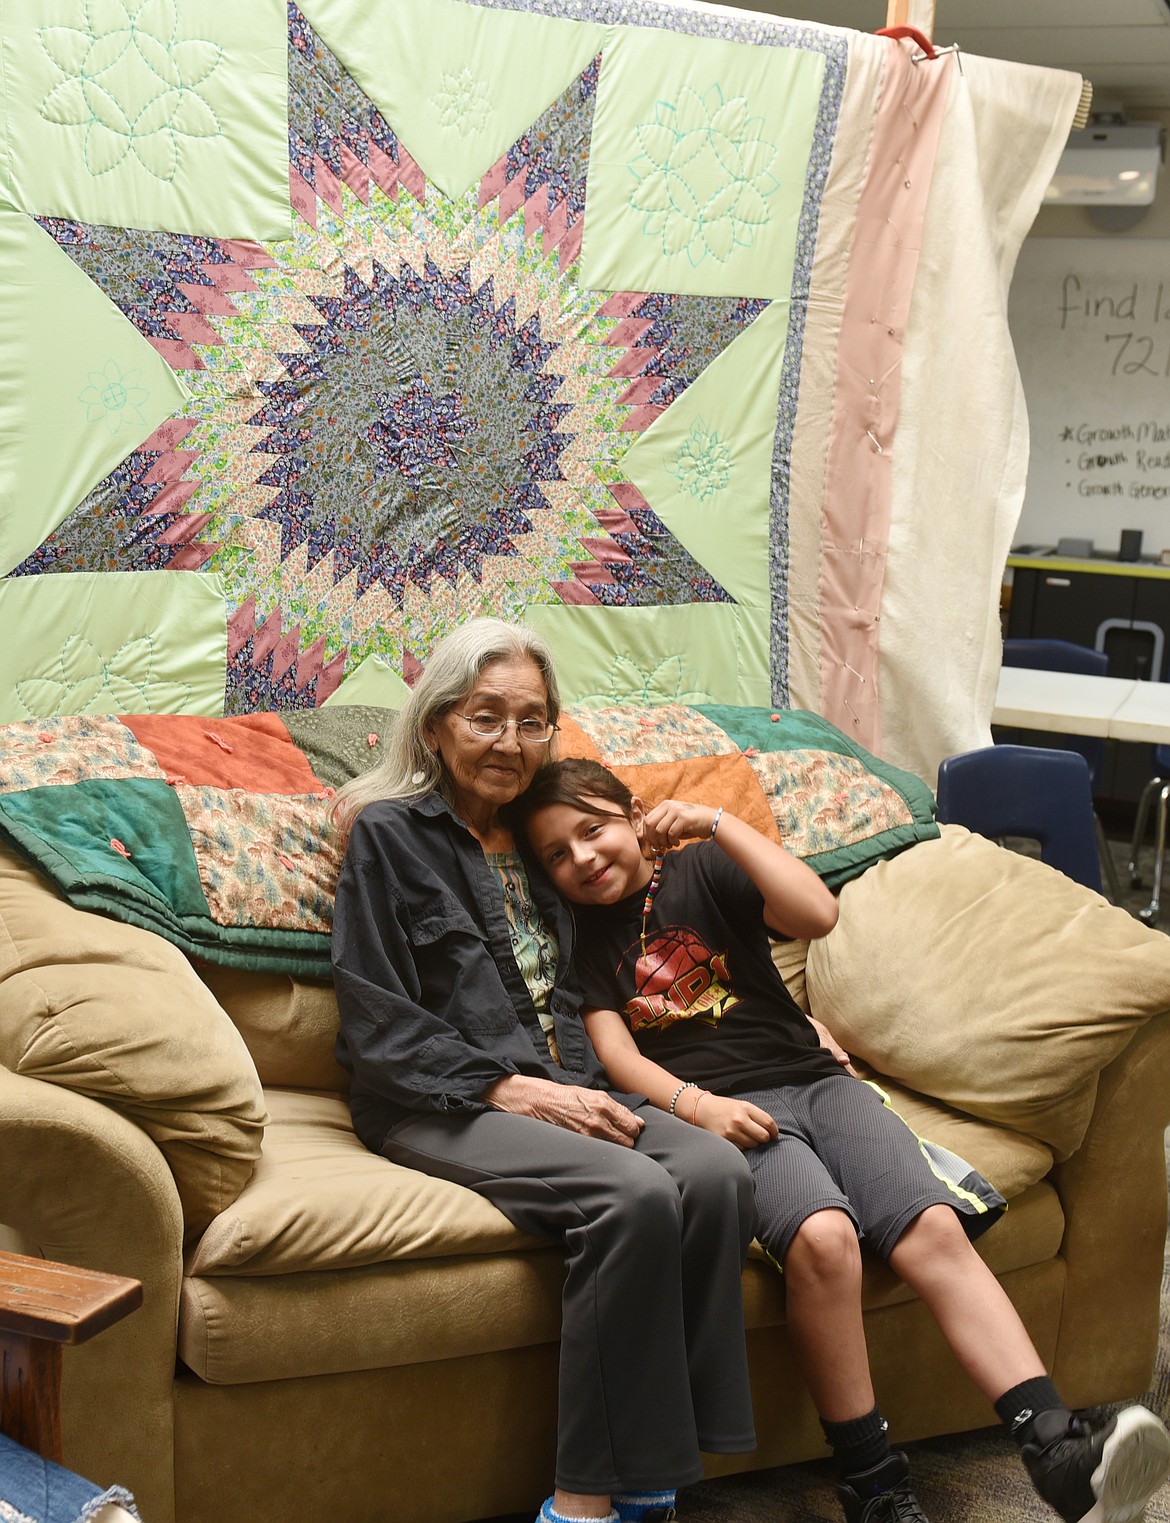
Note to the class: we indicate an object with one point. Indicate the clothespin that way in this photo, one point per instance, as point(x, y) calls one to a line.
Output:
point(928, 49)
point(923, 41)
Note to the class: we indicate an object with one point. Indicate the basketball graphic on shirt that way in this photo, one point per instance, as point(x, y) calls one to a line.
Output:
point(678, 978)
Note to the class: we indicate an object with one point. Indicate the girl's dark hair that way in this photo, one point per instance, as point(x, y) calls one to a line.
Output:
point(576, 781)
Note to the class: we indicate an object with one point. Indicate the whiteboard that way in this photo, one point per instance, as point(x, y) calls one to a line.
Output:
point(1090, 319)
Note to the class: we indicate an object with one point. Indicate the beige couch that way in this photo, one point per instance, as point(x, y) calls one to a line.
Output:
point(327, 1337)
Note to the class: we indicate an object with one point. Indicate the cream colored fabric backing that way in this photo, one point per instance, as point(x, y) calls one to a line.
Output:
point(960, 454)
point(818, 367)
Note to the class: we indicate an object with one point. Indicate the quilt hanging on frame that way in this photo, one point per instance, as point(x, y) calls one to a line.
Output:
point(329, 324)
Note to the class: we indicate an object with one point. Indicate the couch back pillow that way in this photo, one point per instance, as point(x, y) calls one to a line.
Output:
point(115, 1012)
point(288, 1024)
point(988, 980)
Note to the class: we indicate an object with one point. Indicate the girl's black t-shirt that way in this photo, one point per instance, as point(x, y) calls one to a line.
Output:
point(704, 999)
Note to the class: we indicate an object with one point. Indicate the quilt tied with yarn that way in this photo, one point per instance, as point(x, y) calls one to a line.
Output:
point(217, 833)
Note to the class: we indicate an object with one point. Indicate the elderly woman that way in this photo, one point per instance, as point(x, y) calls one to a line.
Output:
point(460, 1028)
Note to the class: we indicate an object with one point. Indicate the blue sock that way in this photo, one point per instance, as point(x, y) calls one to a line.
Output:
point(632, 1506)
point(549, 1514)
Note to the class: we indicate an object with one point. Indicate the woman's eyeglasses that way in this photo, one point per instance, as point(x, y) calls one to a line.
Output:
point(534, 732)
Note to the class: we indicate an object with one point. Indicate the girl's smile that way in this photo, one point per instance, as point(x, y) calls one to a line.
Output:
point(593, 858)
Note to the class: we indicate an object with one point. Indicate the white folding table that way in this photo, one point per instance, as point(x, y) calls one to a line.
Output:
point(1067, 703)
point(1113, 708)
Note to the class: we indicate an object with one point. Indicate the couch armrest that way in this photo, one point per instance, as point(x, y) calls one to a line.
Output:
point(83, 1185)
point(1113, 1191)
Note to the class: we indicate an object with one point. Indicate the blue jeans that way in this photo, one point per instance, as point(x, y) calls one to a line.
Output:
point(44, 1493)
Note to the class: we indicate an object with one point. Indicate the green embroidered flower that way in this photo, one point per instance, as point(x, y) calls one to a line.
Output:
point(631, 682)
point(113, 394)
point(131, 83)
point(703, 462)
point(703, 175)
point(463, 102)
point(88, 680)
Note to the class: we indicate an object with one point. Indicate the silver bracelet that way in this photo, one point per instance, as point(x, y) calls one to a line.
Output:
point(674, 1101)
point(715, 821)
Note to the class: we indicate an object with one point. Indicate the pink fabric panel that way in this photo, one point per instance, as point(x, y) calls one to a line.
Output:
point(862, 436)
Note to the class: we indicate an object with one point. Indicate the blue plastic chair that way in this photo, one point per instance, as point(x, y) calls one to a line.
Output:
point(1158, 785)
point(1065, 656)
point(1027, 791)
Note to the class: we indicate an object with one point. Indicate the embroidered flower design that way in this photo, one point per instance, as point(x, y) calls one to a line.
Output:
point(113, 394)
point(89, 680)
point(702, 462)
point(666, 682)
point(463, 102)
point(703, 175)
point(131, 83)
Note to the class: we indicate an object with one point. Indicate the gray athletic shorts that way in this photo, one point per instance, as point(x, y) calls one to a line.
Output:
point(842, 1148)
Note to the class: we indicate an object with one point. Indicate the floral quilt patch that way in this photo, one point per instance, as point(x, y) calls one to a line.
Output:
point(264, 859)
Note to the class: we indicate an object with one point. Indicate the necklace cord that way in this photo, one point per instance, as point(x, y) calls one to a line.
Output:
point(651, 890)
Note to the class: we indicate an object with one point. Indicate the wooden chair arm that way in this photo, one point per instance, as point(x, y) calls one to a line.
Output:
point(43, 1306)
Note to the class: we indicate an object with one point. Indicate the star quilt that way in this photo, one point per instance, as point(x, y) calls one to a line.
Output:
point(328, 324)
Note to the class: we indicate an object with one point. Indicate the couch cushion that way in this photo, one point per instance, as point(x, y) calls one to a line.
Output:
point(318, 1199)
point(988, 980)
point(289, 1025)
point(790, 958)
point(235, 1330)
point(1028, 1236)
point(118, 1014)
point(1009, 1159)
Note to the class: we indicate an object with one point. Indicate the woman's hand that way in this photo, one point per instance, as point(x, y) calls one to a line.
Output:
point(738, 1120)
point(591, 1112)
point(830, 1043)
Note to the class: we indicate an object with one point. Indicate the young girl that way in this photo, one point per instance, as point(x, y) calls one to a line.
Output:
point(684, 1005)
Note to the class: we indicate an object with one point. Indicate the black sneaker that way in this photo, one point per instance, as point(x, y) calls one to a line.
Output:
point(881, 1494)
point(1098, 1471)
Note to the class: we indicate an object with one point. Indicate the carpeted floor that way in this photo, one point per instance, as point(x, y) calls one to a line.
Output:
point(968, 1478)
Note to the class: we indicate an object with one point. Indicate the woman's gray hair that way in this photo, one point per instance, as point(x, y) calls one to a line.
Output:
point(410, 768)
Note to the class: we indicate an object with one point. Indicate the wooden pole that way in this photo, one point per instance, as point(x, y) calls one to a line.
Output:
point(30, 1393)
point(915, 13)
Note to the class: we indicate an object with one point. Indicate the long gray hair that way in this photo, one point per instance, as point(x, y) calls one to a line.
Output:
point(410, 768)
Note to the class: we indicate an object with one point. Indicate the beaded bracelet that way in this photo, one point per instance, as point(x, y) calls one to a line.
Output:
point(715, 821)
point(674, 1101)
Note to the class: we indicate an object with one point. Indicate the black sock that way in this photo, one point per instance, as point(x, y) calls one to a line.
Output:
point(1019, 1408)
point(858, 1444)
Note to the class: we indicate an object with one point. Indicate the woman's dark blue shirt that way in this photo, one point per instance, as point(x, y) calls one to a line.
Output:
point(433, 1007)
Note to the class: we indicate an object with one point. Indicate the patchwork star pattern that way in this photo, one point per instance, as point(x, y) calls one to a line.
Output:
point(407, 412)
